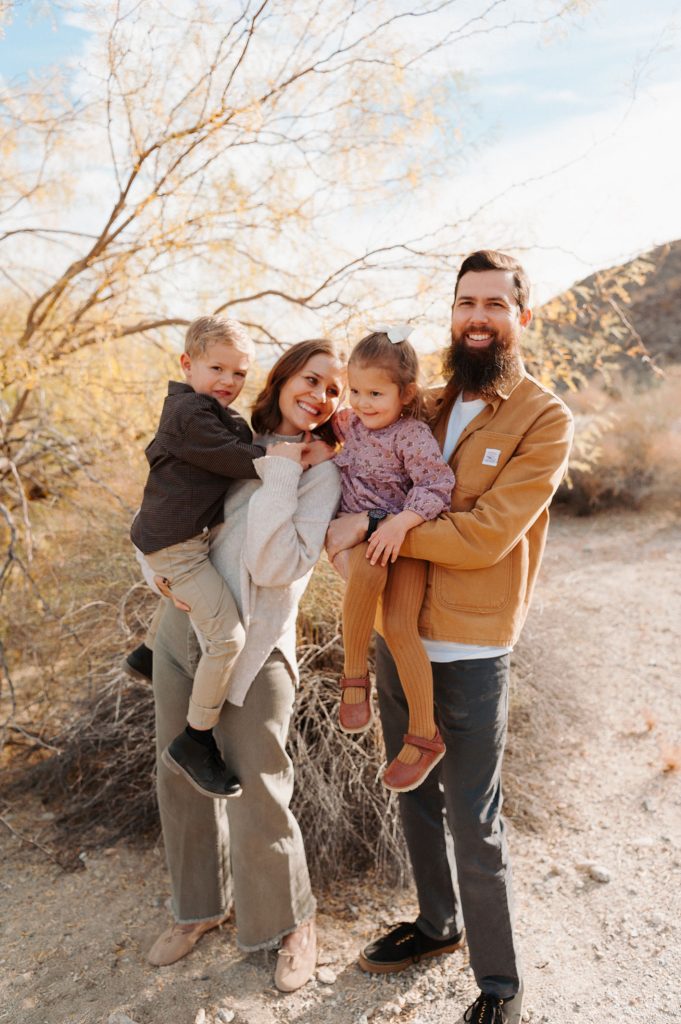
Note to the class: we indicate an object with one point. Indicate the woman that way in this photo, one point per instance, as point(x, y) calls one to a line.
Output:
point(249, 851)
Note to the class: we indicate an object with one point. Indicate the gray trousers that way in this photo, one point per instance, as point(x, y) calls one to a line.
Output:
point(452, 823)
point(247, 850)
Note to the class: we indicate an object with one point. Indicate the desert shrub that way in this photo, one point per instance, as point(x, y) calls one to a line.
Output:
point(627, 446)
point(82, 734)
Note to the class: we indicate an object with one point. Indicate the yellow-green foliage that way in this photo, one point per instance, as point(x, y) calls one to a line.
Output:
point(627, 445)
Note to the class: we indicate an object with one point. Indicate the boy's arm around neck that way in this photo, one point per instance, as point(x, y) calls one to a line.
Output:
point(197, 431)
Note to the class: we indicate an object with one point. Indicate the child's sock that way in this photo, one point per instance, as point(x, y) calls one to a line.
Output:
point(401, 605)
point(203, 736)
point(359, 610)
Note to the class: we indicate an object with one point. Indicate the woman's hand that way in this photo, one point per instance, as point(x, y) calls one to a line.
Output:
point(293, 450)
point(385, 543)
point(164, 586)
point(349, 529)
point(317, 451)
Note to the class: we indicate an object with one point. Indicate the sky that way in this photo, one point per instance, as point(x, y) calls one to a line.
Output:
point(576, 149)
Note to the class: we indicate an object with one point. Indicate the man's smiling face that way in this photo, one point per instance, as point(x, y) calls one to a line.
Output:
point(486, 326)
point(486, 310)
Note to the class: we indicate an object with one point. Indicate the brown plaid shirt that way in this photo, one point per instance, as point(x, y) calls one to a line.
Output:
point(199, 447)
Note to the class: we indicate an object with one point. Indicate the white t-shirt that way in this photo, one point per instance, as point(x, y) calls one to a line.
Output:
point(444, 650)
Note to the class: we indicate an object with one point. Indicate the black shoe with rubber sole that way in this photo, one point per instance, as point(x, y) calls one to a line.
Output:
point(403, 946)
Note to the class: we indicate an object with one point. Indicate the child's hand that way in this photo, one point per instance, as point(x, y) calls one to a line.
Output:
point(293, 450)
point(384, 545)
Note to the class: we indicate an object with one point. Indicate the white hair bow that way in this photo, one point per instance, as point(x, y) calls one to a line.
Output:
point(395, 332)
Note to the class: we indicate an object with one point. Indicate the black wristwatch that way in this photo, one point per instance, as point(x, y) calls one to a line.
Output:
point(376, 516)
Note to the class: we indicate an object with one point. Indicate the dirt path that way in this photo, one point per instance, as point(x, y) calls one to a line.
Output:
point(598, 881)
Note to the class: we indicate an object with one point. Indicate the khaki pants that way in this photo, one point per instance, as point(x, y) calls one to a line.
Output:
point(248, 850)
point(215, 617)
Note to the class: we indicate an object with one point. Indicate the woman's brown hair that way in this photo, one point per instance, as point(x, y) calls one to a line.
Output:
point(265, 416)
point(398, 359)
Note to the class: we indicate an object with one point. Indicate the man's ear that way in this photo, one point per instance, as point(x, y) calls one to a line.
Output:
point(525, 317)
point(185, 363)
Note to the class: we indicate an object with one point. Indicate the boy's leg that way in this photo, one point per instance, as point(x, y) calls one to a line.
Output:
point(402, 602)
point(365, 584)
point(215, 616)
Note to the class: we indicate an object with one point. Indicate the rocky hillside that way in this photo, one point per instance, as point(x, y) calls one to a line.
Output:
point(643, 296)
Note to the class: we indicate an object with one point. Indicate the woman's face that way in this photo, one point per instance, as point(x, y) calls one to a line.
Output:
point(311, 396)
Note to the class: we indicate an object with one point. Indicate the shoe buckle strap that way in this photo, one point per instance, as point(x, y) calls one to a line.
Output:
point(363, 683)
point(436, 744)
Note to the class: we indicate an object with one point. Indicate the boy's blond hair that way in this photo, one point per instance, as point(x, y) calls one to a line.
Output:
point(209, 330)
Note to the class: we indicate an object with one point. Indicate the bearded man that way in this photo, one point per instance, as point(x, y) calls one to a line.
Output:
point(507, 438)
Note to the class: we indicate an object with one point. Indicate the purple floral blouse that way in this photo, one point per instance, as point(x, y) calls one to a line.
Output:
point(395, 468)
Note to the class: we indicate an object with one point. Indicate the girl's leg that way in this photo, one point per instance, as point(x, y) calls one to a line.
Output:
point(402, 602)
point(365, 584)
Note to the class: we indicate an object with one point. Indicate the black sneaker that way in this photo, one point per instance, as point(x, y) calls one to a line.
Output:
point(403, 946)
point(492, 1010)
point(202, 766)
point(139, 662)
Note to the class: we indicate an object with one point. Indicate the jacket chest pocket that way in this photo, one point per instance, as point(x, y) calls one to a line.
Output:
point(479, 461)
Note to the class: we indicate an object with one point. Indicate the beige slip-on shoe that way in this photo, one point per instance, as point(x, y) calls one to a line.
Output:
point(297, 958)
point(178, 940)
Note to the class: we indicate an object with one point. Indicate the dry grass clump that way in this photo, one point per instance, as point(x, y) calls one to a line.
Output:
point(627, 446)
point(347, 817)
point(101, 779)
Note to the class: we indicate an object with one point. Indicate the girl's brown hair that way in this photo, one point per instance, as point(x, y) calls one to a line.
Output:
point(398, 359)
point(265, 416)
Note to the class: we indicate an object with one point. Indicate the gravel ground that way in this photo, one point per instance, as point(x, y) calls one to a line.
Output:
point(597, 862)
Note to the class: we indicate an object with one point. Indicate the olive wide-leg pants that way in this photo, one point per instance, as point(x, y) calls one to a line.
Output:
point(247, 850)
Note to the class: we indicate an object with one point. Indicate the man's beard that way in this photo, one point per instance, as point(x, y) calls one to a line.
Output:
point(480, 370)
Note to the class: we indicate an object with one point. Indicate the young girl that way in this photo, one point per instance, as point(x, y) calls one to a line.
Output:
point(390, 465)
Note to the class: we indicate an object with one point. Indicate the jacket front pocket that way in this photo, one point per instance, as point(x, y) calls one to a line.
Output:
point(481, 458)
point(474, 590)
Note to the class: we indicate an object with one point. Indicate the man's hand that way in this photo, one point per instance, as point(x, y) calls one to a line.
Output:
point(385, 543)
point(348, 530)
point(341, 564)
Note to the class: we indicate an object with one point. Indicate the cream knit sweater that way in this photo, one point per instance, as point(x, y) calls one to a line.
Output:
point(266, 550)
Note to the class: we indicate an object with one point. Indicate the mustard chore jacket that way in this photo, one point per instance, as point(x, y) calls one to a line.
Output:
point(484, 555)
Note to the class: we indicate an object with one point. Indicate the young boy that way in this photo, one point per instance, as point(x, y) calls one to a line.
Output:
point(200, 445)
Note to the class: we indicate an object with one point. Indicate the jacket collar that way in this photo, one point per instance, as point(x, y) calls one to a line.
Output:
point(438, 414)
point(177, 387)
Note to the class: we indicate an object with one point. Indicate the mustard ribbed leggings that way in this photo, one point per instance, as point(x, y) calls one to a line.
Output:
point(403, 585)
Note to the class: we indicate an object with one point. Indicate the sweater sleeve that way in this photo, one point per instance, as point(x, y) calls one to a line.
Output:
point(287, 519)
point(504, 513)
point(203, 440)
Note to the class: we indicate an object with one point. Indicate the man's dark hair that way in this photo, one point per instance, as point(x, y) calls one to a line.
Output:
point(492, 259)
